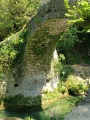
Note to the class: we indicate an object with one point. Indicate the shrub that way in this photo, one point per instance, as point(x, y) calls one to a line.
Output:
point(17, 99)
point(51, 95)
point(65, 72)
point(68, 39)
point(58, 64)
point(29, 118)
point(80, 13)
point(61, 88)
point(75, 85)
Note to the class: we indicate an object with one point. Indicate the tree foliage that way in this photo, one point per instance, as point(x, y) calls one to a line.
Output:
point(79, 13)
point(76, 38)
point(14, 14)
point(68, 39)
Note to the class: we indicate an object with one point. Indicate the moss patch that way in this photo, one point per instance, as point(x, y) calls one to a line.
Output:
point(11, 52)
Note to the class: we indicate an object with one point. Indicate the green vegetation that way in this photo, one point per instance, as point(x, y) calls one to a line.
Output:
point(18, 99)
point(80, 13)
point(76, 86)
point(55, 110)
point(61, 107)
point(73, 48)
point(68, 39)
point(65, 72)
point(62, 88)
point(44, 41)
point(28, 118)
point(86, 59)
point(50, 95)
point(15, 14)
point(58, 64)
point(21, 100)
point(11, 51)
point(72, 84)
point(58, 109)
point(75, 43)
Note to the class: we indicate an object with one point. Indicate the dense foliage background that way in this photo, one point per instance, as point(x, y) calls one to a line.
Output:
point(75, 42)
point(14, 14)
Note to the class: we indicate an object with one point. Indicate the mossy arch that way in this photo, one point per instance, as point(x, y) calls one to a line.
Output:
point(44, 30)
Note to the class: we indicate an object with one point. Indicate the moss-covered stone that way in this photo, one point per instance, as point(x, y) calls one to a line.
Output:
point(29, 76)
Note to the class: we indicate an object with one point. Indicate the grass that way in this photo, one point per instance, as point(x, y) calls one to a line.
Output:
point(54, 111)
point(58, 109)
point(63, 106)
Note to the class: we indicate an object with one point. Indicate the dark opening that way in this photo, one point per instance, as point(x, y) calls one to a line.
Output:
point(16, 85)
point(42, 45)
point(47, 80)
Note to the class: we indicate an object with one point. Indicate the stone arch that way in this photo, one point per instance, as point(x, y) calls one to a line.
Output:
point(38, 71)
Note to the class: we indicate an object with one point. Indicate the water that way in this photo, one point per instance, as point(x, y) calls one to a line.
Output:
point(54, 111)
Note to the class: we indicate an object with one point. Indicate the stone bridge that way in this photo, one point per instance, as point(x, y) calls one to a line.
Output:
point(40, 57)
